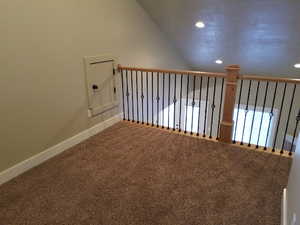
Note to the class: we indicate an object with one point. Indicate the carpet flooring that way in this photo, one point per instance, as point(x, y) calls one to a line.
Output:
point(134, 175)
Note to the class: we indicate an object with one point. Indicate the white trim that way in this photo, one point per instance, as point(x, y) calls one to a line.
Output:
point(284, 208)
point(39, 158)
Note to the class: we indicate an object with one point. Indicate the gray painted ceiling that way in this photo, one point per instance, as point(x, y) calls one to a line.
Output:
point(262, 36)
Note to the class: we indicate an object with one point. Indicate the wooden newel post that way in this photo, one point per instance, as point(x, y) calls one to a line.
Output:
point(229, 103)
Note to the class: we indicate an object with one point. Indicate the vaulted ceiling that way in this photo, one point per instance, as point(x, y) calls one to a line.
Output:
point(262, 36)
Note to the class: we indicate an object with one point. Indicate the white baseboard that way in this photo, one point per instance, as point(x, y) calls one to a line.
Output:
point(35, 160)
point(284, 208)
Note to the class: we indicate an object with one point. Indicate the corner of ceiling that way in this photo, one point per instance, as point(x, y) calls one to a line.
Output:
point(167, 38)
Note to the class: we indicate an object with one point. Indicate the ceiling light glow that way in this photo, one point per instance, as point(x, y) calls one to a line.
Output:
point(200, 24)
point(297, 65)
point(219, 61)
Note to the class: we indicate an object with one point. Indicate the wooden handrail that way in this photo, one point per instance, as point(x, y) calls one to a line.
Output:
point(183, 72)
point(272, 79)
point(212, 74)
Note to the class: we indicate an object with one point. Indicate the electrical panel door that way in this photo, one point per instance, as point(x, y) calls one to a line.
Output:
point(101, 84)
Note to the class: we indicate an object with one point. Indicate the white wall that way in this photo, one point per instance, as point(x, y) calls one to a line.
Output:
point(42, 89)
point(293, 189)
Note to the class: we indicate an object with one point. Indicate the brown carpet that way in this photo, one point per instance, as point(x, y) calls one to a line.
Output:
point(130, 174)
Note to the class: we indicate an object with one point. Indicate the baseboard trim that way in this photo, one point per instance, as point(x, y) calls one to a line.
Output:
point(284, 208)
point(39, 158)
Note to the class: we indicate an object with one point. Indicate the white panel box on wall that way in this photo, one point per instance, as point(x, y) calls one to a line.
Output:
point(101, 83)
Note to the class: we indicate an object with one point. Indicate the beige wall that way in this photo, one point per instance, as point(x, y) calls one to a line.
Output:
point(293, 196)
point(42, 90)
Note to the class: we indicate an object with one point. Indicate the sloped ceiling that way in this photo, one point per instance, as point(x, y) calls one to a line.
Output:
point(262, 36)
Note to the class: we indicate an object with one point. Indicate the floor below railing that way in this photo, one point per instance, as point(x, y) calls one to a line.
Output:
point(238, 144)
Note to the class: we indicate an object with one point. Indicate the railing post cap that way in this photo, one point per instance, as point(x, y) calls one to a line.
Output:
point(233, 67)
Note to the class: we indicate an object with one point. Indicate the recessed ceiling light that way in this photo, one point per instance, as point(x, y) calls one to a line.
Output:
point(297, 65)
point(200, 24)
point(219, 61)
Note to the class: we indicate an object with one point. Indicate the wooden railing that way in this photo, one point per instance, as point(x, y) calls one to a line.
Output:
point(242, 109)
